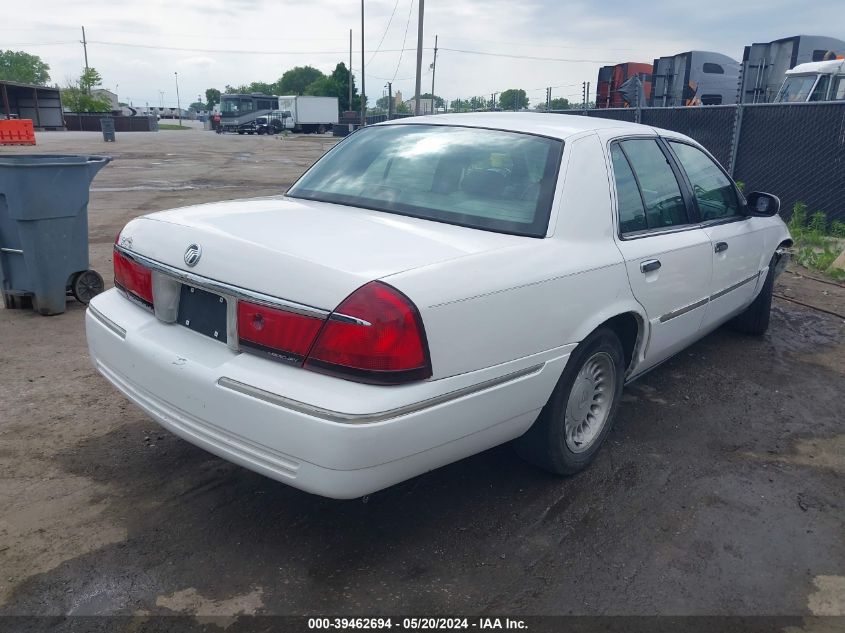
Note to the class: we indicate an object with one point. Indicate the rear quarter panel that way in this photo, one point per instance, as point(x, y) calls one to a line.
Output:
point(533, 298)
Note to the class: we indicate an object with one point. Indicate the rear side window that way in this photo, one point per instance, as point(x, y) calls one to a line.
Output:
point(661, 194)
point(713, 190)
point(485, 179)
point(628, 199)
point(713, 69)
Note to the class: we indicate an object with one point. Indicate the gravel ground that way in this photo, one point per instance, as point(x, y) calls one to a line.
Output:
point(720, 490)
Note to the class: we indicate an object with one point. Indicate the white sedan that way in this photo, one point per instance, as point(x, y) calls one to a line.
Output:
point(429, 289)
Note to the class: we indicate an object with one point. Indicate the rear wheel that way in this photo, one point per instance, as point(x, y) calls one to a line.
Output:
point(579, 414)
point(755, 319)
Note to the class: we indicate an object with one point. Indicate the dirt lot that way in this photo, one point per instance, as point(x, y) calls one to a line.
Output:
point(720, 490)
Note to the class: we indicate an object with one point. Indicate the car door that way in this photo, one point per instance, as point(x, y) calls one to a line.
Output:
point(737, 242)
point(667, 255)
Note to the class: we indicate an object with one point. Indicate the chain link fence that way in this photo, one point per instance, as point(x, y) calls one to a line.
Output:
point(793, 150)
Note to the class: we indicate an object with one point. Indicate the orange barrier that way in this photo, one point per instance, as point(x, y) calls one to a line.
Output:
point(17, 132)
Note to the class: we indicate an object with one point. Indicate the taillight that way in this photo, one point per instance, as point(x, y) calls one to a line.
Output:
point(133, 278)
point(276, 332)
point(383, 341)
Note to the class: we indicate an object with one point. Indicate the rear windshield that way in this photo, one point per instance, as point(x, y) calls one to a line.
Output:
point(484, 179)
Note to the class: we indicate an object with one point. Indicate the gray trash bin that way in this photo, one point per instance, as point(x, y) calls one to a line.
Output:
point(107, 125)
point(44, 230)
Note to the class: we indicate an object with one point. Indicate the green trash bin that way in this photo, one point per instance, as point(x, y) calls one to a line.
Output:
point(44, 230)
point(107, 125)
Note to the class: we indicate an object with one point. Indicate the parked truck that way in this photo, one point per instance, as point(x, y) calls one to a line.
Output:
point(765, 64)
point(814, 81)
point(309, 114)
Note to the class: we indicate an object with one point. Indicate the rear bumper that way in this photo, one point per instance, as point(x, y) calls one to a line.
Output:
point(317, 433)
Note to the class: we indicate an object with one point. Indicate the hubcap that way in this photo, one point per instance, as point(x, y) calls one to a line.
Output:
point(590, 401)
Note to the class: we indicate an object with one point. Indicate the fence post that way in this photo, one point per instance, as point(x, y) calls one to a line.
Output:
point(740, 108)
point(638, 114)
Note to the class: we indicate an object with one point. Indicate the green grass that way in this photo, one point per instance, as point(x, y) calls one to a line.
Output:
point(817, 244)
point(170, 126)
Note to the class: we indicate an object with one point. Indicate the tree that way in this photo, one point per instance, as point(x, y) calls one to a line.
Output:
point(383, 103)
point(23, 68)
point(89, 78)
point(296, 80)
point(513, 99)
point(558, 103)
point(340, 75)
point(212, 97)
point(77, 95)
point(322, 87)
point(197, 106)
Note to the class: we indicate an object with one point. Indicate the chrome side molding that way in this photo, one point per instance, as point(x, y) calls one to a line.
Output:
point(370, 418)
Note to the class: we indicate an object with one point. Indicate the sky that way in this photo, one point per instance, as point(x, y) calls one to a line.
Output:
point(485, 46)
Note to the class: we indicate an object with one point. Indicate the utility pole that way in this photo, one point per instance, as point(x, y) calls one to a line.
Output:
point(363, 80)
point(433, 70)
point(85, 49)
point(389, 100)
point(493, 100)
point(548, 99)
point(587, 102)
point(419, 56)
point(178, 102)
point(583, 95)
point(349, 107)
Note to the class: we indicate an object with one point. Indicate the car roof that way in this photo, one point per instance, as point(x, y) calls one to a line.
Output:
point(560, 126)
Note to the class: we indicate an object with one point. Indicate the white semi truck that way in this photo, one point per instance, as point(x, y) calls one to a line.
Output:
point(307, 114)
point(814, 81)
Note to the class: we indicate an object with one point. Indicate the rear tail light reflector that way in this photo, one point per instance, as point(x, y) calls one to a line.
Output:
point(280, 333)
point(133, 278)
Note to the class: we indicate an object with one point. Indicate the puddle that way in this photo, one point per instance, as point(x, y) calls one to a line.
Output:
point(160, 188)
point(829, 596)
point(221, 613)
point(826, 452)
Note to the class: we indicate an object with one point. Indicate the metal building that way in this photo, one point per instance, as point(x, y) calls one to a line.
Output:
point(42, 104)
point(694, 78)
point(764, 64)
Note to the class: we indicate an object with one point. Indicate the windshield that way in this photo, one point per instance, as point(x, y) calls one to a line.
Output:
point(484, 179)
point(796, 89)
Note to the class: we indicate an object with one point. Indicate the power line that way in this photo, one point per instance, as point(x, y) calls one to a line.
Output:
point(378, 48)
point(404, 38)
point(533, 57)
point(234, 51)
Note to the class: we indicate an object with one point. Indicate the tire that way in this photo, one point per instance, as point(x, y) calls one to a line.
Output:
point(86, 285)
point(755, 319)
point(546, 443)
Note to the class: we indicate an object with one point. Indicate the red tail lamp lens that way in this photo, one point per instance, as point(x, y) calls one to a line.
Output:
point(133, 277)
point(276, 331)
point(384, 342)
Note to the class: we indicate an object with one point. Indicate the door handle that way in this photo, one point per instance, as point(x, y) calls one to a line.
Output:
point(721, 246)
point(649, 265)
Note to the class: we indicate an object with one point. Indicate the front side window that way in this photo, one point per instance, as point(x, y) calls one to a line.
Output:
point(229, 106)
point(661, 193)
point(485, 179)
point(796, 89)
point(714, 192)
point(713, 69)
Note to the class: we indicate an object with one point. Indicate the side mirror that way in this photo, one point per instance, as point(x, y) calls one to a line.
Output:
point(762, 205)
